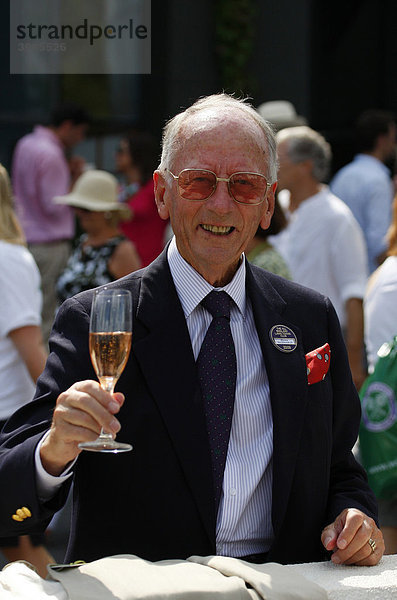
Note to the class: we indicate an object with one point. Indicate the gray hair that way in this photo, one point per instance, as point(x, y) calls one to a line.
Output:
point(303, 143)
point(171, 141)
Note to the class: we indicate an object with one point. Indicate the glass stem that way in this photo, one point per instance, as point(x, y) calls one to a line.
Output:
point(107, 384)
point(105, 436)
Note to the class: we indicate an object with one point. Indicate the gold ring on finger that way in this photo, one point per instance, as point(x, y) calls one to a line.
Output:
point(372, 543)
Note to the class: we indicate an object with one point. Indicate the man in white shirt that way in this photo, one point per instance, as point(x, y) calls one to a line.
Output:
point(322, 243)
point(365, 184)
point(291, 490)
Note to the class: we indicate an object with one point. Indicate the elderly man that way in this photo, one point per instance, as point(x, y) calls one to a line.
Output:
point(322, 243)
point(234, 453)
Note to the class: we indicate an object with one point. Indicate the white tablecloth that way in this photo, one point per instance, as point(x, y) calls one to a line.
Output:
point(354, 583)
point(202, 578)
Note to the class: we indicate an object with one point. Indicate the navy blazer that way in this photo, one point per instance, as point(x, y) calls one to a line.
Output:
point(157, 501)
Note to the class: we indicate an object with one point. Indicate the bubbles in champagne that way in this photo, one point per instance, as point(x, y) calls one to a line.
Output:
point(109, 353)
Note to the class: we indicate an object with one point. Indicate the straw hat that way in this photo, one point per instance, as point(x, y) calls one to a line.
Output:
point(97, 191)
point(281, 113)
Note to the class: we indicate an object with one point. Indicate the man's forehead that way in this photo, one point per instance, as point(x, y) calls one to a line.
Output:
point(221, 123)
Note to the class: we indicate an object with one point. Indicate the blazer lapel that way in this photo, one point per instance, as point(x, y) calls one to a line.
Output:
point(288, 388)
point(164, 341)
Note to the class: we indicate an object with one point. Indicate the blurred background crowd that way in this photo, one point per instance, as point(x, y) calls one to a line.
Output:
point(77, 203)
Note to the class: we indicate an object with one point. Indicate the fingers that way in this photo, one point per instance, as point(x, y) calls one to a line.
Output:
point(88, 406)
point(352, 540)
point(366, 553)
point(79, 414)
point(329, 537)
point(357, 540)
point(330, 534)
point(371, 553)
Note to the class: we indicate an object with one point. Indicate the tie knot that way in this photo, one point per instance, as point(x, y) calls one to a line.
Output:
point(218, 304)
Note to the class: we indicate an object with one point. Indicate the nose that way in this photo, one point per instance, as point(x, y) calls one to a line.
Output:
point(221, 201)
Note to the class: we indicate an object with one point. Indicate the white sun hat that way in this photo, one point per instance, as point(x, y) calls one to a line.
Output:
point(95, 190)
point(281, 113)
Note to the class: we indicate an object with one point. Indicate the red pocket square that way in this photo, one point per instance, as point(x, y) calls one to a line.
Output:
point(317, 363)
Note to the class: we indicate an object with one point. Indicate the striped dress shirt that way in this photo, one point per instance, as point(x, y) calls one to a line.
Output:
point(244, 516)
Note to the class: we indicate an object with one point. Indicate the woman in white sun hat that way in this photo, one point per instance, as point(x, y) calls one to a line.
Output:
point(102, 253)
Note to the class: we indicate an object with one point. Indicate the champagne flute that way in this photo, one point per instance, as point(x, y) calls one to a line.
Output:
point(110, 344)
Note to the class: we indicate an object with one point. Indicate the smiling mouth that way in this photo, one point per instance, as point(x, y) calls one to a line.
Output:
point(218, 230)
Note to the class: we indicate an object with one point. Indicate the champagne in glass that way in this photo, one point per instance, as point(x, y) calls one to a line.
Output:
point(109, 343)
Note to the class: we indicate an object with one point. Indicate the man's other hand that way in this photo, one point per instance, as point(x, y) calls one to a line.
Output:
point(354, 539)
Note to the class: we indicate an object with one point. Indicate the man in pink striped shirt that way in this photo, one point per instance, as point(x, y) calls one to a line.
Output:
point(40, 171)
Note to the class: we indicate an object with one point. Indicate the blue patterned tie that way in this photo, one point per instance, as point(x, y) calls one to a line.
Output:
point(217, 370)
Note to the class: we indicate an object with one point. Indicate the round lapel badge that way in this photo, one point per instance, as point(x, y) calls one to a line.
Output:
point(283, 338)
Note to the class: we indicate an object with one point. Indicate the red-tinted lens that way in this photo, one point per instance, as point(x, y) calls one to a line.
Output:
point(196, 184)
point(248, 188)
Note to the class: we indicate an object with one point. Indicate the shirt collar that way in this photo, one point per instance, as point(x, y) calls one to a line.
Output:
point(191, 287)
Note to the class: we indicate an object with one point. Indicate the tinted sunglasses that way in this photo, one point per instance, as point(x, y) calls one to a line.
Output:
point(200, 184)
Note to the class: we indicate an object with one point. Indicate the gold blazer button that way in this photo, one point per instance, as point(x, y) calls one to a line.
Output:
point(21, 514)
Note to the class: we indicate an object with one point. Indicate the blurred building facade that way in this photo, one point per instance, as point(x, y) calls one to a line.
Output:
point(331, 60)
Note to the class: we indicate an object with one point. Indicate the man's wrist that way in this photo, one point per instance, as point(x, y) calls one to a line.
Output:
point(52, 466)
point(47, 483)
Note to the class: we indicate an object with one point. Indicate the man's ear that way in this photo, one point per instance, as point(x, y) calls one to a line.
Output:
point(269, 207)
point(307, 167)
point(159, 192)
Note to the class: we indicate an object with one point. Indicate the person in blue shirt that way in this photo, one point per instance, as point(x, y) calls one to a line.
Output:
point(365, 184)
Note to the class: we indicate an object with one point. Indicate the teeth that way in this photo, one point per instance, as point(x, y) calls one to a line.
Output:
point(217, 229)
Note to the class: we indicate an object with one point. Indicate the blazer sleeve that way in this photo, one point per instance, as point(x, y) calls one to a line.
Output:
point(68, 362)
point(348, 480)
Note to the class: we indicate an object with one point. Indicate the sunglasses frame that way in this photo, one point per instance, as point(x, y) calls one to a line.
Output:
point(226, 180)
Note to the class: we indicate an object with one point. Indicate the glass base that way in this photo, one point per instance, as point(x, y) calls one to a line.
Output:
point(105, 445)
